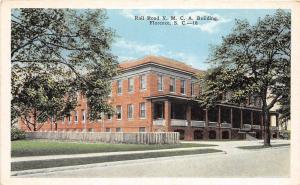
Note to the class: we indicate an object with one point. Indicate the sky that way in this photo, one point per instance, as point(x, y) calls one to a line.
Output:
point(186, 43)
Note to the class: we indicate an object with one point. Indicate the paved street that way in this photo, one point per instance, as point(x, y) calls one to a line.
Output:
point(272, 162)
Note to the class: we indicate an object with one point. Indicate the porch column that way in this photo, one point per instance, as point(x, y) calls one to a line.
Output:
point(241, 124)
point(188, 119)
point(277, 120)
point(206, 118)
point(151, 115)
point(219, 116)
point(251, 119)
point(219, 122)
point(261, 126)
point(231, 116)
point(167, 115)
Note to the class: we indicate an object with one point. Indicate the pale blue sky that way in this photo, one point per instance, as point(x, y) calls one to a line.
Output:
point(189, 44)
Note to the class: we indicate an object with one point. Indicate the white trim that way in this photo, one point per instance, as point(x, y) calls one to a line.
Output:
point(76, 116)
point(162, 82)
point(128, 84)
point(120, 112)
point(141, 109)
point(132, 111)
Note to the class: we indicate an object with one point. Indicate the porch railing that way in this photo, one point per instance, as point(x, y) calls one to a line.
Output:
point(255, 126)
point(159, 122)
point(274, 128)
point(179, 122)
point(195, 123)
point(247, 127)
point(212, 124)
point(225, 125)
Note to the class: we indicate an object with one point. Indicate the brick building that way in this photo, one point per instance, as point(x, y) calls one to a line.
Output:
point(156, 94)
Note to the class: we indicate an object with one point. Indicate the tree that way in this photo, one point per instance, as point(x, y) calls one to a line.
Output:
point(252, 61)
point(56, 53)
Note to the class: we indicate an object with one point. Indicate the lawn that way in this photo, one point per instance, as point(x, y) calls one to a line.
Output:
point(24, 148)
point(26, 165)
point(261, 146)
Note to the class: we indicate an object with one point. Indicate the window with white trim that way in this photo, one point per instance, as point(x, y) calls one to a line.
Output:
point(142, 110)
point(182, 86)
point(119, 111)
point(119, 86)
point(118, 129)
point(83, 116)
point(76, 117)
point(160, 82)
point(130, 84)
point(192, 89)
point(142, 82)
point(130, 111)
point(172, 84)
point(107, 130)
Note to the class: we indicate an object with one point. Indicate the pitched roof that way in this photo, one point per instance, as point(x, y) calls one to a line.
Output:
point(159, 60)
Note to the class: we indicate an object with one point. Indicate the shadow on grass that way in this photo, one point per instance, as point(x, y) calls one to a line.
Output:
point(26, 165)
point(262, 146)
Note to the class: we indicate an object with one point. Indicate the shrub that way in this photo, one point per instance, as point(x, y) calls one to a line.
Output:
point(16, 134)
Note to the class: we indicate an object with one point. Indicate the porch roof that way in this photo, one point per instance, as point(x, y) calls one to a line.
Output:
point(168, 96)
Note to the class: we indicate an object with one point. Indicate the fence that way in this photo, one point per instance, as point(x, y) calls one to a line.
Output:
point(110, 137)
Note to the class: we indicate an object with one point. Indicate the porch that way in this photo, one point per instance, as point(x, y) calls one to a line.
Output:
point(188, 118)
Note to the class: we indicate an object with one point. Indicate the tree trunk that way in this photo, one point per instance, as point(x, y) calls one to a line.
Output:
point(266, 123)
point(34, 121)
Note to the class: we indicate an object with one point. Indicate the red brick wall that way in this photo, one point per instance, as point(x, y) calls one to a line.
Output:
point(135, 98)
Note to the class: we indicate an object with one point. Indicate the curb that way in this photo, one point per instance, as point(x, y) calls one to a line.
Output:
point(106, 164)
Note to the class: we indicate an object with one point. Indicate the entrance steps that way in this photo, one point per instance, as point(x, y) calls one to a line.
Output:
point(250, 137)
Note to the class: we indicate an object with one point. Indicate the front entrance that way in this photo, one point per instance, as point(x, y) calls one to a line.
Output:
point(198, 134)
point(181, 133)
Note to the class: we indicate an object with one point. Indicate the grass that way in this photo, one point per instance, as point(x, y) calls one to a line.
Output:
point(261, 146)
point(24, 148)
point(18, 166)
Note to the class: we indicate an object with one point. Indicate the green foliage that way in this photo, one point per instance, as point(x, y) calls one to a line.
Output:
point(56, 53)
point(253, 60)
point(16, 134)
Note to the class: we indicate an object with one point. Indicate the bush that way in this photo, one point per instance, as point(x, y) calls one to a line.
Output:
point(17, 134)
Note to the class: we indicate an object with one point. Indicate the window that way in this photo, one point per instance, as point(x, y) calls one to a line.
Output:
point(129, 111)
point(119, 86)
point(119, 112)
point(182, 86)
point(109, 116)
point(172, 85)
point(142, 110)
point(118, 129)
point(130, 84)
point(62, 120)
point(83, 116)
point(143, 82)
point(192, 89)
point(69, 118)
point(76, 117)
point(142, 129)
point(107, 130)
point(160, 82)
point(110, 90)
